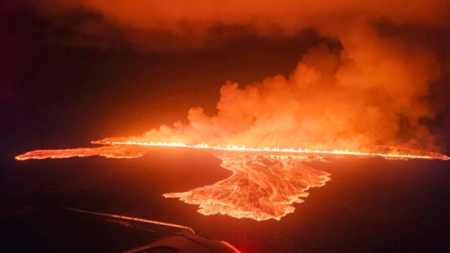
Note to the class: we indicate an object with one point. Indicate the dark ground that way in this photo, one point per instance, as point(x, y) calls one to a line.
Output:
point(370, 205)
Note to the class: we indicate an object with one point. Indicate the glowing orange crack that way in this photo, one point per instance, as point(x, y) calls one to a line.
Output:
point(264, 182)
point(428, 155)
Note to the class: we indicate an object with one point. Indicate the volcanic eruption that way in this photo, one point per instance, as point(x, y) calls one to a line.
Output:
point(363, 92)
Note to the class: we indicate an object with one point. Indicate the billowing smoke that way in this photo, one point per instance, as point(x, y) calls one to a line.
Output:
point(175, 24)
point(372, 89)
point(360, 95)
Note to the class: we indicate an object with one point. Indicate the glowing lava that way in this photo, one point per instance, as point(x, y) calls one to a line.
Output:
point(264, 184)
point(261, 187)
point(127, 149)
point(391, 153)
point(113, 151)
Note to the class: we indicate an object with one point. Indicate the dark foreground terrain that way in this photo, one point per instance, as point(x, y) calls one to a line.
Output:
point(370, 205)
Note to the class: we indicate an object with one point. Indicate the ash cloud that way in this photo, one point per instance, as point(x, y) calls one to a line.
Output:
point(372, 90)
point(177, 25)
point(333, 99)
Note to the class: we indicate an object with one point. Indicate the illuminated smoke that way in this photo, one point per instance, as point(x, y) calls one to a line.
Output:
point(370, 94)
point(372, 90)
point(174, 24)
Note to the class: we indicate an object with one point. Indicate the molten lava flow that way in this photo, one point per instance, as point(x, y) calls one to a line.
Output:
point(390, 153)
point(113, 151)
point(264, 184)
point(260, 187)
point(124, 149)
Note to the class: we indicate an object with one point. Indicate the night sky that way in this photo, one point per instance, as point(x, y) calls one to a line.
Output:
point(76, 71)
point(51, 91)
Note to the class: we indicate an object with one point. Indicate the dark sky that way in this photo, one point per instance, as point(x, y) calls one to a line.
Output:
point(77, 71)
point(58, 91)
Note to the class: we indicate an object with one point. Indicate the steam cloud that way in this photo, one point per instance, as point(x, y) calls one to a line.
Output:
point(371, 90)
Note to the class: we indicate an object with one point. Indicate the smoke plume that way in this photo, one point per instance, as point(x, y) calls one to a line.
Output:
point(371, 89)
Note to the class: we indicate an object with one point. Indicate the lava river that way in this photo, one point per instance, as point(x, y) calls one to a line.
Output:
point(261, 187)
